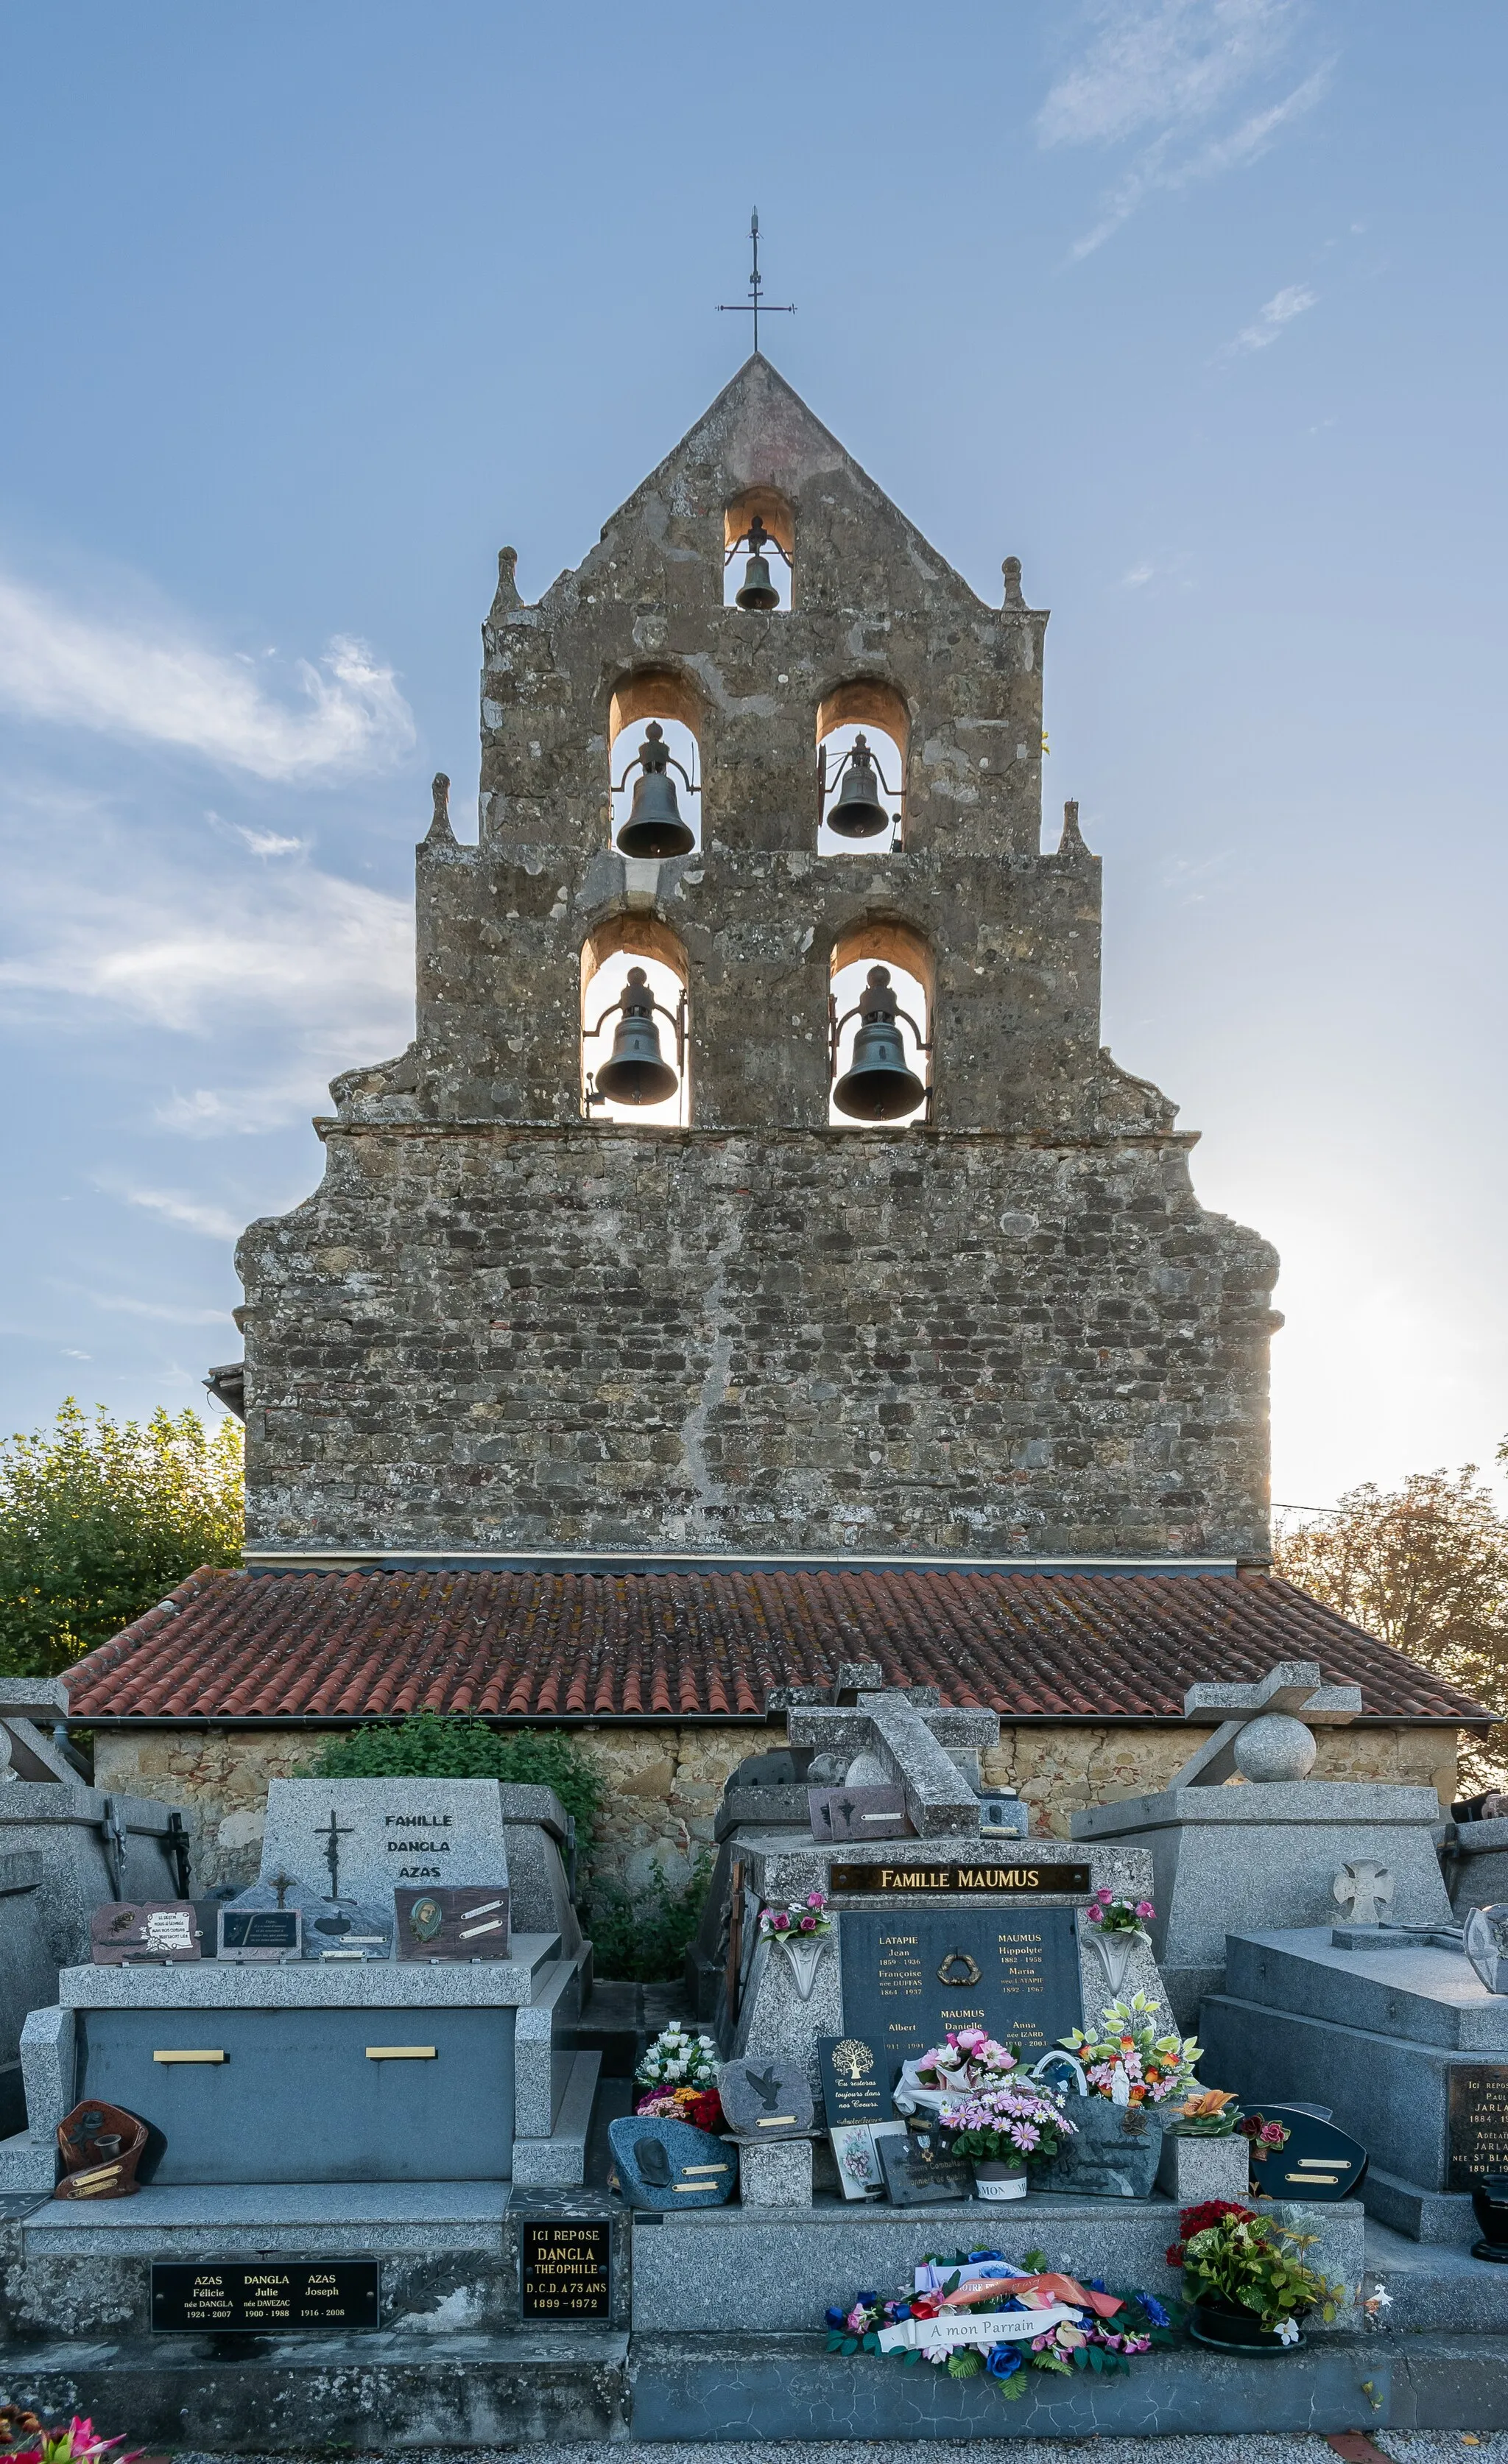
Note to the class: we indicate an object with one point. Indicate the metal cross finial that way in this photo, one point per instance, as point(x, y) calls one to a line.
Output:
point(332, 1837)
point(752, 306)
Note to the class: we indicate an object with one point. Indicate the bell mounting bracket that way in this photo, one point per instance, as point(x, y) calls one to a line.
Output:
point(826, 787)
point(837, 1025)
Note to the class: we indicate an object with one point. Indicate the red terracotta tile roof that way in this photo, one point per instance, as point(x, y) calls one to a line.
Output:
point(547, 1644)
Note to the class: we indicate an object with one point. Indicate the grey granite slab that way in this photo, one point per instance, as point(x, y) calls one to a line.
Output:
point(1418, 1990)
point(47, 2068)
point(387, 1833)
point(1250, 1858)
point(212, 1985)
point(1191, 2170)
point(1391, 2093)
point(775, 2176)
point(760, 2270)
point(541, 2055)
point(560, 2162)
point(26, 2165)
point(235, 2220)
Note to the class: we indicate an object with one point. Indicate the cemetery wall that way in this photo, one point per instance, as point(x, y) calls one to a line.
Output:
point(663, 1783)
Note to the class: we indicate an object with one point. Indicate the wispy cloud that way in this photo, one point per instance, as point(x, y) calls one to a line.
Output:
point(260, 842)
point(1268, 324)
point(1163, 71)
point(154, 680)
point(189, 1214)
point(124, 1305)
point(294, 969)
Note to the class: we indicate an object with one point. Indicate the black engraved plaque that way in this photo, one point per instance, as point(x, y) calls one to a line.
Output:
point(564, 2270)
point(910, 1976)
point(953, 1879)
point(857, 2077)
point(263, 2297)
point(1478, 2123)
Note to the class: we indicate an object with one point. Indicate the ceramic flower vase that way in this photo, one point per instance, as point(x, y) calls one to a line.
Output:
point(1116, 1951)
point(804, 1951)
point(997, 2178)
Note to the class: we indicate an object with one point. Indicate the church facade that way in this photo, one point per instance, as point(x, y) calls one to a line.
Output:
point(507, 1322)
point(756, 1266)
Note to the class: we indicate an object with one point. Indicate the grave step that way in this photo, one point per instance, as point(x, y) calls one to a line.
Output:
point(377, 2391)
point(718, 2387)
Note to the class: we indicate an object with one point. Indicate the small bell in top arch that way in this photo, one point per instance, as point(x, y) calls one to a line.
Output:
point(878, 1086)
point(857, 813)
point(758, 590)
point(636, 1072)
point(654, 827)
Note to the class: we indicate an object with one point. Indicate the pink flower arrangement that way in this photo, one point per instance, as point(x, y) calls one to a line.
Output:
point(1118, 1916)
point(78, 2444)
point(807, 1915)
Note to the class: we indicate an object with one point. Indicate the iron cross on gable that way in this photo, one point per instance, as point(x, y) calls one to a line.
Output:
point(332, 1837)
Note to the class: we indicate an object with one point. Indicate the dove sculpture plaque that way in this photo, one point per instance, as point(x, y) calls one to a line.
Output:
point(766, 2097)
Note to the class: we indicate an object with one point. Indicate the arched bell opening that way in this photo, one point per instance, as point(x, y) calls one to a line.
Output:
point(760, 553)
point(880, 1039)
point(654, 728)
point(862, 732)
point(634, 1038)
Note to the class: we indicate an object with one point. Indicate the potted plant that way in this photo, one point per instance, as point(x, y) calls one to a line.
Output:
point(1002, 2131)
point(1118, 1929)
point(802, 1929)
point(1247, 2280)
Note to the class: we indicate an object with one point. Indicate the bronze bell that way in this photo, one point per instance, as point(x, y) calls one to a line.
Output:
point(634, 1073)
point(857, 813)
point(758, 590)
point(878, 1086)
point(654, 827)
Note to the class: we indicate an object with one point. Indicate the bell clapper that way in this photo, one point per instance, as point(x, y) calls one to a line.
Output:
point(654, 827)
point(636, 1072)
point(878, 1084)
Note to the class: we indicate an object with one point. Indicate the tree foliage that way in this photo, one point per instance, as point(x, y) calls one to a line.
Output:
point(1426, 1568)
point(98, 1519)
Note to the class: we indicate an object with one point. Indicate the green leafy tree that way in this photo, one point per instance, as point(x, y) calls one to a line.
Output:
point(1425, 1567)
point(98, 1518)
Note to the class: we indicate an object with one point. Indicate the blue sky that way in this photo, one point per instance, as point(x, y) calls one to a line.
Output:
point(1194, 305)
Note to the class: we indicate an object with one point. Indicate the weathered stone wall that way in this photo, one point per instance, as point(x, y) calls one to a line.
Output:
point(583, 1337)
point(663, 1785)
point(1012, 1329)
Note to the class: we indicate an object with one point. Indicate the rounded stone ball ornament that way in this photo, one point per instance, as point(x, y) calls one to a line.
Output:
point(1275, 1747)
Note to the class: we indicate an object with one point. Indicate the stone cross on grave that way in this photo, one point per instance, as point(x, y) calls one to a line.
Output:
point(1368, 1887)
point(929, 1752)
point(1264, 1739)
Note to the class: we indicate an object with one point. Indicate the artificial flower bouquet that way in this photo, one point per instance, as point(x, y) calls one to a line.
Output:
point(968, 2061)
point(1118, 1916)
point(1128, 2062)
point(77, 2444)
point(678, 2064)
point(805, 1917)
point(977, 2314)
point(1210, 2113)
point(1245, 2270)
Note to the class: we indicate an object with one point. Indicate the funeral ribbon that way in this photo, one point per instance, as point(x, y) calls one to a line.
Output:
point(1038, 2291)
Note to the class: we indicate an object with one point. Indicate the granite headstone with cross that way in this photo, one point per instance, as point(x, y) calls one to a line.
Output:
point(943, 1928)
point(1244, 1841)
point(338, 1849)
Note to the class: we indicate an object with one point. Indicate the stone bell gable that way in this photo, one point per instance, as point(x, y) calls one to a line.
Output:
point(505, 1322)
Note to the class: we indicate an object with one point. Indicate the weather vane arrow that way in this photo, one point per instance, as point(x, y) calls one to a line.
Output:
point(752, 306)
